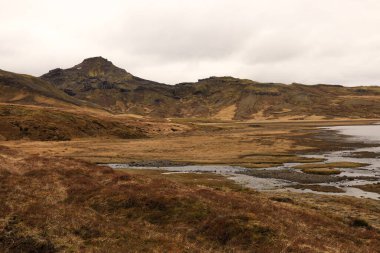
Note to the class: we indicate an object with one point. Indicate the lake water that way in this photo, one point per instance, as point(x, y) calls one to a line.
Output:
point(358, 176)
point(370, 133)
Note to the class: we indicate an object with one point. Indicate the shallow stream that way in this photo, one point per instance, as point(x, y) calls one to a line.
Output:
point(345, 181)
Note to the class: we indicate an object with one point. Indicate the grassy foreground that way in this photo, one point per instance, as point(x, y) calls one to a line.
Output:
point(60, 204)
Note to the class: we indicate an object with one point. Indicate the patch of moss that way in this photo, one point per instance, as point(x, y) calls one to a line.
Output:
point(331, 165)
point(318, 188)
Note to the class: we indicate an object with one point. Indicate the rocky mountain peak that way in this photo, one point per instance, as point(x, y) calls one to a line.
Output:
point(100, 67)
point(96, 61)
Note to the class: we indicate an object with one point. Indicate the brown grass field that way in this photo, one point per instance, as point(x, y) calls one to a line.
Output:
point(66, 205)
point(56, 199)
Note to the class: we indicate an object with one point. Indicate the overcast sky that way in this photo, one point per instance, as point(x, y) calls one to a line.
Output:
point(171, 41)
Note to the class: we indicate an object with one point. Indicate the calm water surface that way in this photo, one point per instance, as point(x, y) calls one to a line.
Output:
point(369, 133)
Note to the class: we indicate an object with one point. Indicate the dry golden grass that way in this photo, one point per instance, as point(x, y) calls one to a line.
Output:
point(227, 113)
point(238, 144)
point(249, 145)
point(328, 168)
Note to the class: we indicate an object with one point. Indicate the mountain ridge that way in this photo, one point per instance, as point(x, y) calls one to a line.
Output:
point(98, 81)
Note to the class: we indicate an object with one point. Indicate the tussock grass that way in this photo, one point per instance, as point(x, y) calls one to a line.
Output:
point(370, 187)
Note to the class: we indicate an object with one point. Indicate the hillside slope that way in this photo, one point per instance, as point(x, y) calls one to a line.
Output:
point(31, 108)
point(97, 80)
point(26, 89)
point(38, 123)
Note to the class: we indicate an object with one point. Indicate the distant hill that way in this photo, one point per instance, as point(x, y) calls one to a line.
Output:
point(232, 98)
point(97, 80)
point(29, 90)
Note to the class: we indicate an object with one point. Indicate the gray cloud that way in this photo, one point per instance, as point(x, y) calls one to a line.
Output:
point(325, 41)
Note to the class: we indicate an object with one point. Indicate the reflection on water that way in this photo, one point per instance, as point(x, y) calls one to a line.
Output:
point(370, 133)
